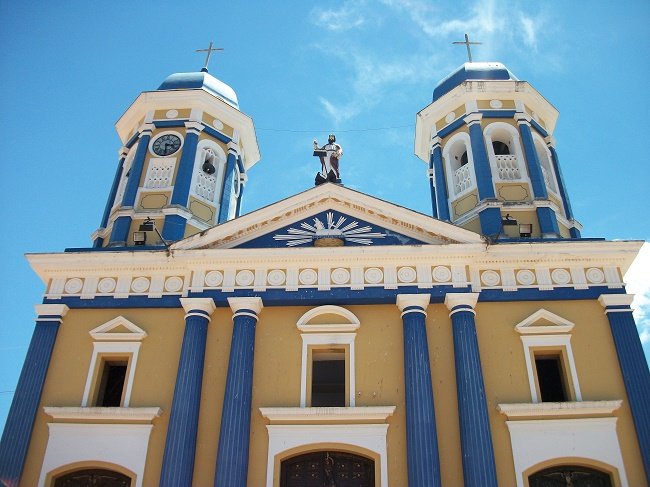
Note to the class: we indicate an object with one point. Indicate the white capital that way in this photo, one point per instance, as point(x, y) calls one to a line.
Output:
point(419, 300)
point(457, 299)
point(254, 304)
point(198, 304)
point(51, 310)
point(606, 300)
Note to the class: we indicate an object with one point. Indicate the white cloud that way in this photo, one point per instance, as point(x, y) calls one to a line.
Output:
point(637, 282)
point(530, 30)
point(349, 16)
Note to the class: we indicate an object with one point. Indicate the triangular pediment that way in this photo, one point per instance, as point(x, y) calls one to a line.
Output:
point(543, 322)
point(118, 329)
point(330, 212)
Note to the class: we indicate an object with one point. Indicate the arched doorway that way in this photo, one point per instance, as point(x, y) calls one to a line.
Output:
point(93, 477)
point(327, 469)
point(570, 476)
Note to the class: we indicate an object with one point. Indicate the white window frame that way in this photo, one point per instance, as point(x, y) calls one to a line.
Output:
point(219, 174)
point(547, 337)
point(546, 163)
point(446, 156)
point(515, 141)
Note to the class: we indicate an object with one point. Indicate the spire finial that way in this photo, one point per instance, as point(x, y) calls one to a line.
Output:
point(209, 51)
point(467, 44)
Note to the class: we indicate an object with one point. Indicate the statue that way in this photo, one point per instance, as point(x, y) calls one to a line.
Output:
point(329, 155)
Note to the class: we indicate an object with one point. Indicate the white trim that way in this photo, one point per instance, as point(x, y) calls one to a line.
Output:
point(125, 445)
point(559, 341)
point(559, 324)
point(467, 310)
point(370, 437)
point(420, 300)
point(606, 300)
point(100, 348)
point(461, 299)
point(103, 332)
point(557, 409)
point(328, 414)
point(201, 304)
point(515, 140)
point(254, 304)
point(51, 310)
point(540, 440)
point(315, 339)
point(450, 169)
point(116, 415)
point(219, 174)
point(352, 325)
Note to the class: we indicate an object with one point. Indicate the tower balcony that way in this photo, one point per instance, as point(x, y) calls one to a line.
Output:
point(462, 179)
point(508, 167)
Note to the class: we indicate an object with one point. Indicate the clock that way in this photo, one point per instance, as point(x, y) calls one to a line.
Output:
point(166, 145)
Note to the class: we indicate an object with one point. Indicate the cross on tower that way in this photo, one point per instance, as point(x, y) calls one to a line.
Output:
point(209, 51)
point(467, 44)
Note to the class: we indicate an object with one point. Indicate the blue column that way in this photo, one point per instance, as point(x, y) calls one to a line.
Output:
point(234, 435)
point(634, 367)
point(111, 197)
point(479, 469)
point(180, 445)
point(482, 169)
point(421, 436)
point(560, 180)
point(226, 194)
point(439, 196)
point(532, 161)
point(24, 407)
point(120, 232)
point(547, 222)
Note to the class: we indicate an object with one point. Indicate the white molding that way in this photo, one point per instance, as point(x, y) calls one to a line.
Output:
point(538, 441)
point(51, 310)
point(559, 409)
point(100, 348)
point(125, 445)
point(352, 325)
point(461, 299)
point(549, 341)
point(606, 300)
point(202, 304)
point(287, 438)
point(315, 339)
point(103, 332)
point(116, 415)
point(559, 324)
point(254, 304)
point(322, 415)
point(419, 300)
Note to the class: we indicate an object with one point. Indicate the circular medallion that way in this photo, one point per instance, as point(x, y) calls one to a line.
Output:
point(218, 124)
point(441, 273)
point(490, 278)
point(245, 278)
point(308, 277)
point(276, 277)
point(106, 285)
point(171, 114)
point(74, 285)
point(173, 284)
point(166, 145)
point(406, 274)
point(340, 276)
point(595, 275)
point(496, 103)
point(213, 278)
point(560, 276)
point(140, 284)
point(525, 277)
point(374, 275)
point(451, 116)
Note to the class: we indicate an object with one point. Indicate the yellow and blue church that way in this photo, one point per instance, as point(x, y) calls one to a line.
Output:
point(333, 339)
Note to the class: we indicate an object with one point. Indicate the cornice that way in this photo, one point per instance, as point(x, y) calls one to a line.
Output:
point(116, 415)
point(559, 409)
point(375, 414)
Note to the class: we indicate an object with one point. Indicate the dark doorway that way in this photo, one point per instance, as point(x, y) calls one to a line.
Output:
point(570, 476)
point(550, 378)
point(328, 469)
point(95, 477)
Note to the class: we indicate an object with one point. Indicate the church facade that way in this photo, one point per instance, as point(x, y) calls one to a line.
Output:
point(333, 338)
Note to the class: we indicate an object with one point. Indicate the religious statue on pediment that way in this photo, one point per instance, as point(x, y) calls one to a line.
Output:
point(329, 156)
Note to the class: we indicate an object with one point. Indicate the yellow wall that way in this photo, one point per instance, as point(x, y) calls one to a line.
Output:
point(379, 378)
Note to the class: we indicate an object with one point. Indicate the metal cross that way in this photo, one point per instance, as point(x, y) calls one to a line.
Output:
point(467, 44)
point(209, 51)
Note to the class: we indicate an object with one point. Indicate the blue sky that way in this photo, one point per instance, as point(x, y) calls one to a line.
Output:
point(303, 69)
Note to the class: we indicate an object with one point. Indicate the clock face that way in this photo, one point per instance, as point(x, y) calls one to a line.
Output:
point(166, 145)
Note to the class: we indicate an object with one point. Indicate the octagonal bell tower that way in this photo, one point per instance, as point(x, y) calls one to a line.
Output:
point(186, 151)
point(493, 169)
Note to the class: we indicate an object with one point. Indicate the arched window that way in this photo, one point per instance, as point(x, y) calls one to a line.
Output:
point(570, 476)
point(459, 163)
point(95, 477)
point(327, 468)
point(209, 168)
point(126, 170)
point(544, 156)
point(504, 151)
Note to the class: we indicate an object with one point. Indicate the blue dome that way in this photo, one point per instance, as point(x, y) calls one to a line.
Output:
point(471, 72)
point(201, 80)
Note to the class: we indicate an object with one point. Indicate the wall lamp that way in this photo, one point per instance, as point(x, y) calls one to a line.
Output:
point(140, 236)
point(525, 230)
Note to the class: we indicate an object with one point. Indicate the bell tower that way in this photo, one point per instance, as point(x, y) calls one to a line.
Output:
point(493, 169)
point(186, 152)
